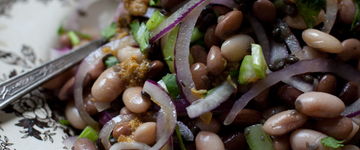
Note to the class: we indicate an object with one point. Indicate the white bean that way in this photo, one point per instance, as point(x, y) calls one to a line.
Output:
point(322, 41)
point(206, 140)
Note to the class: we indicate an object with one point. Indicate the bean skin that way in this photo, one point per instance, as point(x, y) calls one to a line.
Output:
point(89, 104)
point(305, 139)
point(121, 129)
point(84, 144)
point(207, 140)
point(322, 41)
point(214, 125)
point(355, 129)
point(327, 84)
point(234, 141)
point(281, 142)
point(198, 53)
point(245, 117)
point(236, 47)
point(339, 127)
point(210, 38)
point(350, 93)
point(108, 86)
point(146, 133)
point(298, 22)
point(319, 104)
point(288, 94)
point(350, 50)
point(347, 11)
point(129, 51)
point(73, 116)
point(273, 110)
point(229, 24)
point(215, 62)
point(133, 100)
point(199, 73)
point(284, 122)
point(264, 10)
point(155, 67)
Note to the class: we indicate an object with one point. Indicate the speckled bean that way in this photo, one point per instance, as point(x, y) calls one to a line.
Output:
point(146, 133)
point(89, 104)
point(322, 41)
point(128, 52)
point(319, 104)
point(207, 140)
point(133, 100)
point(234, 141)
point(199, 73)
point(305, 139)
point(264, 10)
point(155, 67)
point(73, 116)
point(215, 62)
point(198, 53)
point(229, 24)
point(284, 122)
point(272, 111)
point(236, 47)
point(338, 127)
point(351, 50)
point(298, 22)
point(108, 86)
point(350, 93)
point(121, 129)
point(210, 38)
point(281, 142)
point(288, 94)
point(327, 84)
point(84, 144)
point(347, 11)
point(125, 111)
point(213, 126)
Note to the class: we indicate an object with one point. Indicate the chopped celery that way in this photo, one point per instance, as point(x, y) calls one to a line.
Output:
point(75, 40)
point(247, 73)
point(181, 143)
point(171, 85)
point(141, 34)
point(259, 62)
point(89, 133)
point(169, 48)
point(196, 34)
point(111, 61)
point(257, 139)
point(155, 20)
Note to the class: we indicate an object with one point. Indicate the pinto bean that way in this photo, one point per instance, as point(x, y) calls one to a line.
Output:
point(236, 47)
point(213, 126)
point(229, 24)
point(273, 110)
point(108, 86)
point(264, 10)
point(89, 104)
point(350, 93)
point(281, 142)
point(84, 144)
point(199, 73)
point(96, 69)
point(210, 38)
point(207, 140)
point(215, 62)
point(129, 51)
point(288, 94)
point(133, 100)
point(245, 117)
point(347, 11)
point(234, 141)
point(327, 84)
point(198, 53)
point(298, 22)
point(155, 68)
point(338, 127)
point(284, 122)
point(146, 133)
point(350, 50)
point(121, 129)
point(73, 116)
point(305, 139)
point(319, 104)
point(322, 41)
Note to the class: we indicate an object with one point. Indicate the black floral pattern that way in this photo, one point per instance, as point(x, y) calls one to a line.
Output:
point(4, 143)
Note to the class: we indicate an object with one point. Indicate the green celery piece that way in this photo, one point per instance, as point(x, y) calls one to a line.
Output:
point(155, 20)
point(247, 73)
point(61, 30)
point(171, 85)
point(89, 133)
point(181, 143)
point(332, 142)
point(141, 34)
point(257, 139)
point(170, 47)
point(356, 17)
point(109, 31)
point(259, 62)
point(75, 40)
point(83, 35)
point(153, 2)
point(64, 122)
point(196, 34)
point(111, 61)
point(309, 10)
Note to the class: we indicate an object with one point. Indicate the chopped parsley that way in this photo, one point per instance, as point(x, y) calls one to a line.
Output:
point(309, 10)
point(332, 142)
point(111, 61)
point(109, 31)
point(141, 34)
point(153, 2)
point(181, 143)
point(356, 18)
point(171, 85)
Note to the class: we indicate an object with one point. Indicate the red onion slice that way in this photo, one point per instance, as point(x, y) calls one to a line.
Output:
point(100, 106)
point(278, 51)
point(330, 17)
point(85, 66)
point(260, 35)
point(182, 52)
point(289, 37)
point(174, 19)
point(227, 3)
point(299, 83)
point(120, 11)
point(304, 66)
point(213, 100)
point(166, 119)
point(352, 110)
